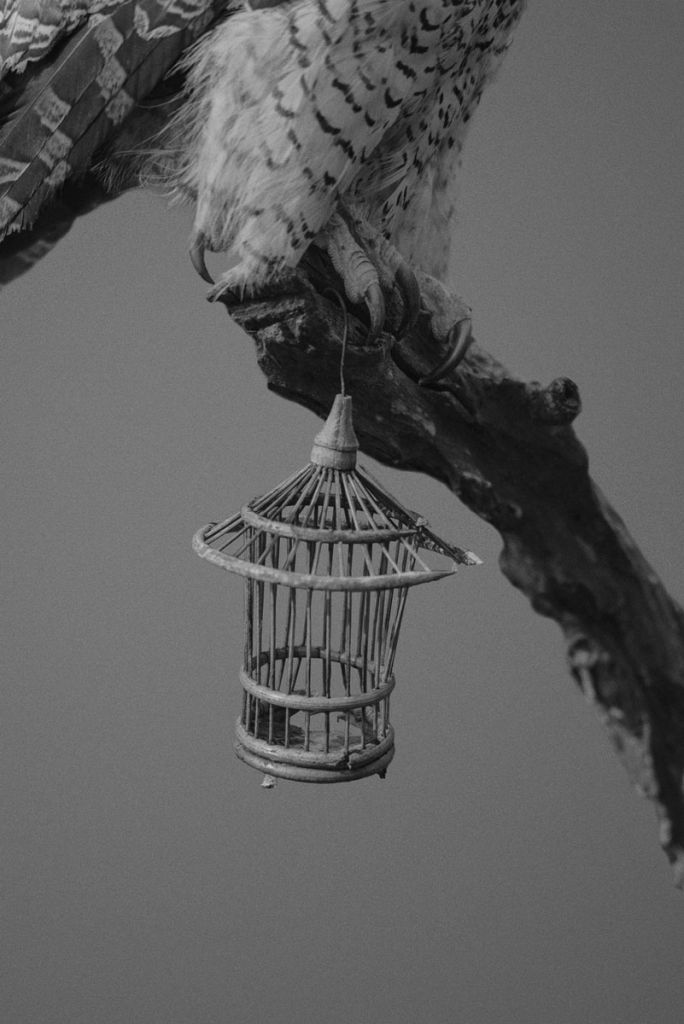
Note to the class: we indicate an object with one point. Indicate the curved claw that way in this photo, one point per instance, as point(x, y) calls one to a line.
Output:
point(375, 303)
point(459, 339)
point(197, 250)
point(407, 283)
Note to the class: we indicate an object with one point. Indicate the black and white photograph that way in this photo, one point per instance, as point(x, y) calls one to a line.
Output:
point(342, 441)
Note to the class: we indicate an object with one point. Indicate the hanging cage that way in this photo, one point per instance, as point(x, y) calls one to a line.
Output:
point(327, 557)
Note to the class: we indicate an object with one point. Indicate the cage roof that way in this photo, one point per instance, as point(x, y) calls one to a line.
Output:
point(330, 526)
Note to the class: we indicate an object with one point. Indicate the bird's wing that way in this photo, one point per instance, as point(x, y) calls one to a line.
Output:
point(85, 67)
point(30, 28)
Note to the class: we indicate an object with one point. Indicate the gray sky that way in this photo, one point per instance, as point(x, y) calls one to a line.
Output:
point(504, 872)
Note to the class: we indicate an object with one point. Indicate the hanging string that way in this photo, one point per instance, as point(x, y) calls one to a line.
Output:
point(335, 294)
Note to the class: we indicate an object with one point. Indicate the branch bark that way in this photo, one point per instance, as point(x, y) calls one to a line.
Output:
point(507, 449)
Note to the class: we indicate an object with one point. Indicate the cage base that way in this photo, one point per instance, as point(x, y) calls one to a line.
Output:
point(307, 773)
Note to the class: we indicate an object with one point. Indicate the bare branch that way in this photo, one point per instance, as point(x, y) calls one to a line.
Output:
point(507, 449)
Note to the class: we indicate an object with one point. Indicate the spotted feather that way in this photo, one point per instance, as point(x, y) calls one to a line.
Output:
point(293, 109)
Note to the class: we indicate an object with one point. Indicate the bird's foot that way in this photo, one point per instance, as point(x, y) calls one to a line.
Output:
point(237, 286)
point(233, 286)
point(244, 281)
point(450, 324)
point(373, 273)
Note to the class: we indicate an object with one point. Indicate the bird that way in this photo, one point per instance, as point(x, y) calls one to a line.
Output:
point(293, 126)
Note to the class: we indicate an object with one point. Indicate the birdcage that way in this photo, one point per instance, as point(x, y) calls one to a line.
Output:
point(328, 557)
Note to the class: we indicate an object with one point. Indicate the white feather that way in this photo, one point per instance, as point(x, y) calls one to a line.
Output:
point(257, 171)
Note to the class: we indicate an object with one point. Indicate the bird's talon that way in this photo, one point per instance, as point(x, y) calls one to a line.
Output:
point(197, 251)
point(375, 303)
point(459, 340)
point(410, 292)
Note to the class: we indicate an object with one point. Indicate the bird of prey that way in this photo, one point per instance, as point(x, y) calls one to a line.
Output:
point(335, 125)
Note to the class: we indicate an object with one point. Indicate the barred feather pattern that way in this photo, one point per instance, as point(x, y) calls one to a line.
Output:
point(30, 28)
point(67, 107)
point(294, 108)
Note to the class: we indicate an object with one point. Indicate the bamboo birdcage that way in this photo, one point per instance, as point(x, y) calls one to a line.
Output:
point(327, 557)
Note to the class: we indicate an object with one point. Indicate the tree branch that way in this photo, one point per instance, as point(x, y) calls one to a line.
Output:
point(507, 449)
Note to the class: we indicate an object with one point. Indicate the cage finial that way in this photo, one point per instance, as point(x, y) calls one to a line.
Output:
point(336, 445)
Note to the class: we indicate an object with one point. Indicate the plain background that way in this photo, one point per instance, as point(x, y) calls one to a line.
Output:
point(505, 872)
